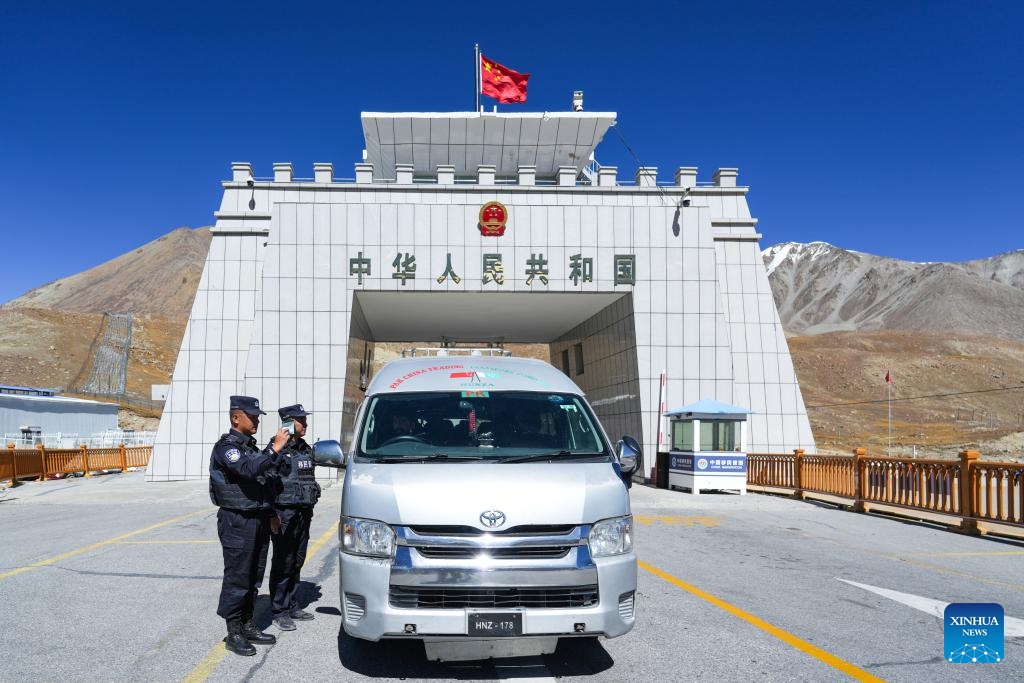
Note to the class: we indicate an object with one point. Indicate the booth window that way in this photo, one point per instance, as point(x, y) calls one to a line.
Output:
point(578, 351)
point(715, 435)
point(565, 361)
point(718, 435)
point(682, 436)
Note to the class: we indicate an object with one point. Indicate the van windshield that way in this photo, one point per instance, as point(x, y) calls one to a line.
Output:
point(479, 425)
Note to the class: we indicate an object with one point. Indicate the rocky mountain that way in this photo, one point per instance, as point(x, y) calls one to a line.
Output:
point(1006, 268)
point(821, 288)
point(157, 279)
point(52, 335)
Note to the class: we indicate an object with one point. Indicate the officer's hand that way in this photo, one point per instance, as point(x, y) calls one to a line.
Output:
point(275, 525)
point(280, 439)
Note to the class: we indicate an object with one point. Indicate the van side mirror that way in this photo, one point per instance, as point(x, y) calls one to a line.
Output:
point(629, 454)
point(329, 454)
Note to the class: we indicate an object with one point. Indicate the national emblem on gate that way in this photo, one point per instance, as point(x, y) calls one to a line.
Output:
point(493, 217)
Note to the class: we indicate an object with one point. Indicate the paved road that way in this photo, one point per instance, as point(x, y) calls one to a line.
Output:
point(110, 578)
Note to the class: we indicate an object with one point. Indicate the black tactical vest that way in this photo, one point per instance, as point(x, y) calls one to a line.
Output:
point(229, 491)
point(299, 485)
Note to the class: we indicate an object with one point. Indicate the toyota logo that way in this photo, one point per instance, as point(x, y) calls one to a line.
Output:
point(492, 518)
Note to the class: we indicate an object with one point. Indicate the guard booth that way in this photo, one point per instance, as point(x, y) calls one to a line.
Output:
point(31, 435)
point(709, 447)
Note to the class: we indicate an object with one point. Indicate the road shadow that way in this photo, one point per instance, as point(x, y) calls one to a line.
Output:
point(407, 659)
point(307, 594)
point(579, 657)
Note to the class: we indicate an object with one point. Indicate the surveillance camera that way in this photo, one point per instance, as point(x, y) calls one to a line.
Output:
point(250, 181)
point(686, 201)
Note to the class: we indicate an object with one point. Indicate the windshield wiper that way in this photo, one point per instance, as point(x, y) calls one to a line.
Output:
point(427, 458)
point(551, 456)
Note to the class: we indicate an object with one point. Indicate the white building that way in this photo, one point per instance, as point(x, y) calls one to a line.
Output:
point(29, 415)
point(624, 279)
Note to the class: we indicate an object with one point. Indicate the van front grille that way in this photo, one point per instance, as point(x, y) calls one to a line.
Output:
point(442, 552)
point(521, 530)
point(412, 597)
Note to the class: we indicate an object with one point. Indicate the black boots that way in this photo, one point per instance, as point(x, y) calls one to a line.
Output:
point(254, 635)
point(241, 636)
point(236, 642)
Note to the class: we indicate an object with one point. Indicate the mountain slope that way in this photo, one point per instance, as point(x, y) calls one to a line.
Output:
point(821, 288)
point(157, 279)
point(1007, 268)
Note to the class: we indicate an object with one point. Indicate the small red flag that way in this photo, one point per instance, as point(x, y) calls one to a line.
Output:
point(888, 377)
point(501, 82)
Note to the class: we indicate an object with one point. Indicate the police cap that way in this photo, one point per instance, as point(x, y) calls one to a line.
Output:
point(247, 404)
point(292, 411)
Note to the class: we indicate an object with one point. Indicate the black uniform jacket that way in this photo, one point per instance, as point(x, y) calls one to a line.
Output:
point(238, 472)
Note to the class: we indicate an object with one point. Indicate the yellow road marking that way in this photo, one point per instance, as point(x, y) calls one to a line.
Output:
point(849, 669)
point(203, 670)
point(94, 546)
point(906, 558)
point(161, 542)
point(681, 520)
point(980, 554)
point(218, 652)
point(319, 543)
point(952, 572)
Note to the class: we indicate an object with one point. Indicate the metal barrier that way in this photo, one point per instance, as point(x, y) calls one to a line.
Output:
point(967, 488)
point(41, 462)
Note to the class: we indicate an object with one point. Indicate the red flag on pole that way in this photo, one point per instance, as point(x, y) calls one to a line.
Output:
point(888, 377)
point(501, 82)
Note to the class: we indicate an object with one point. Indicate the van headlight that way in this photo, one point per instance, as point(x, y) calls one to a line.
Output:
point(611, 537)
point(367, 537)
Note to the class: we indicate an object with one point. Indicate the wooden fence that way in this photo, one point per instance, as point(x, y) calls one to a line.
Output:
point(968, 488)
point(41, 462)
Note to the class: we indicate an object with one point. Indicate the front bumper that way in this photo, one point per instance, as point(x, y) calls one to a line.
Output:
point(369, 614)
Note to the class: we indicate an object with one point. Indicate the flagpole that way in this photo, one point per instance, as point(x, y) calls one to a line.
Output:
point(888, 384)
point(476, 71)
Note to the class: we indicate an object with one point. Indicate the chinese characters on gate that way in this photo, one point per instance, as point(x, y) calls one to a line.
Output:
point(536, 268)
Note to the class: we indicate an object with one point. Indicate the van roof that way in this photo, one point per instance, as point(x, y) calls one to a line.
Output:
point(459, 373)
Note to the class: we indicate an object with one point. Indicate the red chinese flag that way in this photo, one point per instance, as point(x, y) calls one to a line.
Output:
point(888, 377)
point(501, 82)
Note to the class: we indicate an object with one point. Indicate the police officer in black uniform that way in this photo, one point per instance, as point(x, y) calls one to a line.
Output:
point(242, 485)
point(294, 505)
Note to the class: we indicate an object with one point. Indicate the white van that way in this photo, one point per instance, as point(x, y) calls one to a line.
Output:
point(484, 510)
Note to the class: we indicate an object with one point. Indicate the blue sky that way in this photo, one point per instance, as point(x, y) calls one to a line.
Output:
point(887, 127)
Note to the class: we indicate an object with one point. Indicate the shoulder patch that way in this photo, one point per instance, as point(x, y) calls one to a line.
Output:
point(233, 455)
